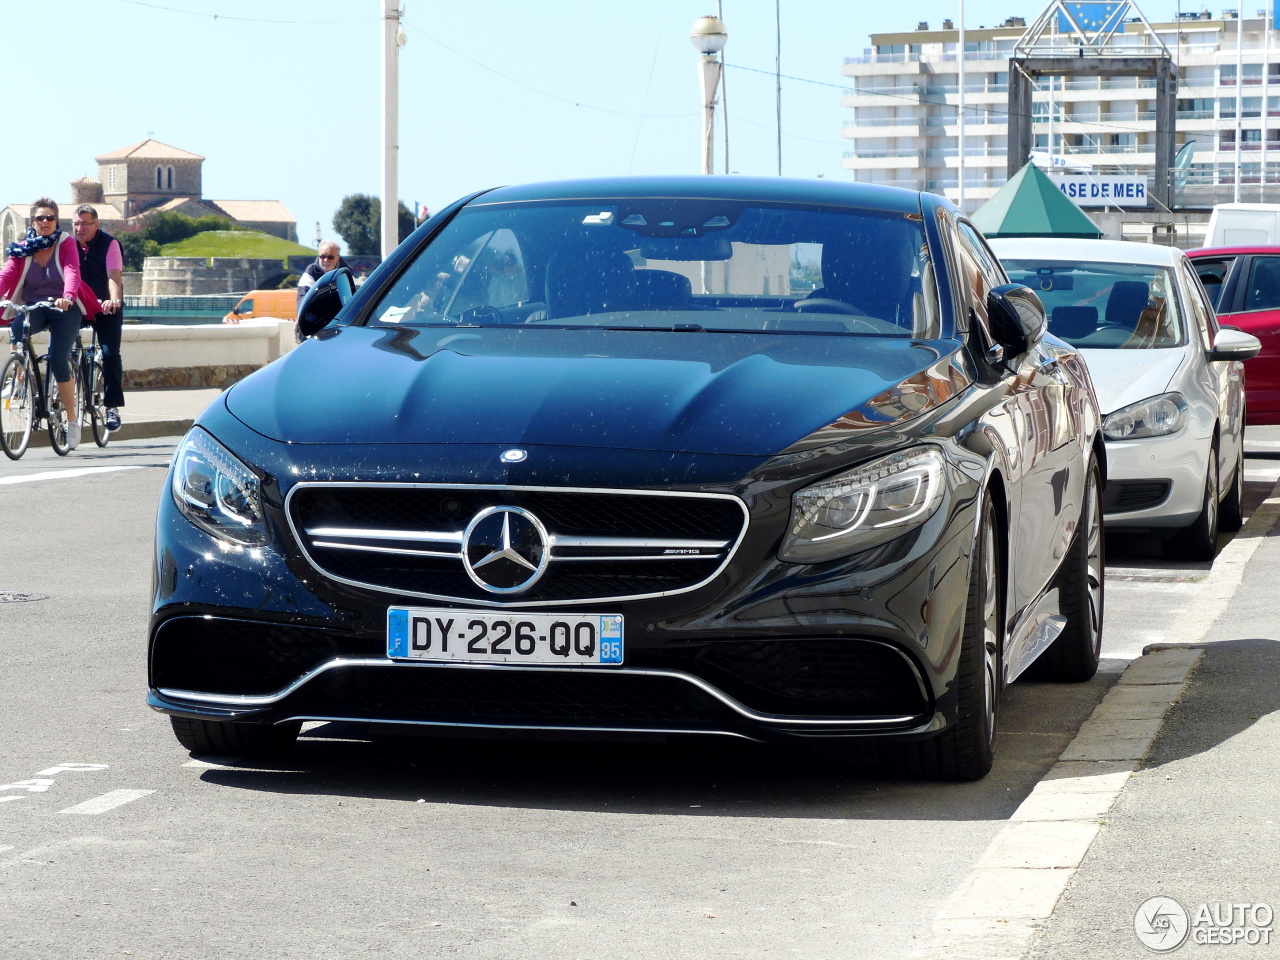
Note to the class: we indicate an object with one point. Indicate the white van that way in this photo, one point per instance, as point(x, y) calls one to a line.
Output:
point(1243, 225)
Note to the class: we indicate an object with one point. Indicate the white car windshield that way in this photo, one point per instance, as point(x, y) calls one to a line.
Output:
point(1107, 306)
point(672, 264)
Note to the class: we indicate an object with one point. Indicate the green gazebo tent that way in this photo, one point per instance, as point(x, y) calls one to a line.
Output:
point(1029, 205)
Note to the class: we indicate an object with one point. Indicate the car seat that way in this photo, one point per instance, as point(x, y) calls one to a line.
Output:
point(1073, 323)
point(663, 290)
point(579, 283)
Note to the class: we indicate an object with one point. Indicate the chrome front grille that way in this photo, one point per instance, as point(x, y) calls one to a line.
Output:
point(572, 545)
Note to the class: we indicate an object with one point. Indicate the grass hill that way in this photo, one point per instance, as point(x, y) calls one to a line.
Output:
point(235, 243)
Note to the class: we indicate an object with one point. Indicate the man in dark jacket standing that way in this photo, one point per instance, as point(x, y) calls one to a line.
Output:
point(327, 259)
point(102, 266)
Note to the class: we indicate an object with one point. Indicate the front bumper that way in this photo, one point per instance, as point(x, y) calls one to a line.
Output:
point(1156, 483)
point(767, 650)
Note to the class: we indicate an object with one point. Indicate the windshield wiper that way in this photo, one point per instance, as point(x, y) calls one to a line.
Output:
point(674, 328)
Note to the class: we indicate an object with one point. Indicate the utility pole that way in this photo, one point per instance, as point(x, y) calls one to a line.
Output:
point(392, 41)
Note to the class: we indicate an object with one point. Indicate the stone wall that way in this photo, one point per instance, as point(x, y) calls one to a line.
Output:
point(188, 276)
point(210, 355)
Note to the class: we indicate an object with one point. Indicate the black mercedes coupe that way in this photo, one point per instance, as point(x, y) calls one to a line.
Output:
point(782, 460)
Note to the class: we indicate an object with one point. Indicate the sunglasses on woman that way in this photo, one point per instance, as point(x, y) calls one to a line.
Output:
point(44, 218)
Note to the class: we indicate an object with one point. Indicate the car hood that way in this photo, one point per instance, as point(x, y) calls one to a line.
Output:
point(687, 392)
point(1122, 377)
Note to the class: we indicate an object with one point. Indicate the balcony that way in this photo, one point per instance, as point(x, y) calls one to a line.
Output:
point(881, 154)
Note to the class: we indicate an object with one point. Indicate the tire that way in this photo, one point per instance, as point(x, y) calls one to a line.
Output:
point(1074, 656)
point(58, 418)
point(965, 750)
point(17, 406)
point(1199, 541)
point(237, 739)
point(1231, 514)
point(97, 408)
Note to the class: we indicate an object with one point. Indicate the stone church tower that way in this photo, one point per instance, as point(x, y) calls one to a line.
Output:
point(147, 174)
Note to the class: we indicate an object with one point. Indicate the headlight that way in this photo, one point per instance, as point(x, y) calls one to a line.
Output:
point(217, 492)
point(868, 505)
point(1154, 417)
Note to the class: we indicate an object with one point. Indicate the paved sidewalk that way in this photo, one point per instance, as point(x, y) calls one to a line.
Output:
point(1199, 821)
point(161, 413)
point(150, 413)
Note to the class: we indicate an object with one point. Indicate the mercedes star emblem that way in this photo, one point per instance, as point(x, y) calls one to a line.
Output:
point(513, 455)
point(505, 549)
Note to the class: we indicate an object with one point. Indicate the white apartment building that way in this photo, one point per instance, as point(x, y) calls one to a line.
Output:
point(904, 96)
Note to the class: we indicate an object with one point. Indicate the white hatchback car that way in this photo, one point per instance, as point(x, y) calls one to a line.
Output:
point(1170, 382)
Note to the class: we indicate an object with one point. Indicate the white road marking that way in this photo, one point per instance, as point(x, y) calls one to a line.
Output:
point(206, 765)
point(10, 797)
point(108, 801)
point(65, 474)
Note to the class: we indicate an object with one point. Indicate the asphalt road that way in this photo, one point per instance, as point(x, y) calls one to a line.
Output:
point(115, 842)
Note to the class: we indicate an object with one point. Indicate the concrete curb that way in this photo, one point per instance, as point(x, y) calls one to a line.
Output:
point(138, 430)
point(1013, 889)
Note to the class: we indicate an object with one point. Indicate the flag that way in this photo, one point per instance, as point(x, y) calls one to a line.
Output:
point(1090, 17)
point(420, 210)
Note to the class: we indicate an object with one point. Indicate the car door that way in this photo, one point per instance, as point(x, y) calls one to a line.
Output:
point(1049, 485)
point(1214, 274)
point(1255, 309)
point(1222, 379)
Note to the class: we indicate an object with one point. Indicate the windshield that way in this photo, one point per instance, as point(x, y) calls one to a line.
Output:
point(671, 264)
point(1107, 306)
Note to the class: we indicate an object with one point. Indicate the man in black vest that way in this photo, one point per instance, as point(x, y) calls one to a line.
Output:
point(102, 267)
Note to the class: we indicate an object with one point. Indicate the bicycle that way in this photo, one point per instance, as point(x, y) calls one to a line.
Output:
point(92, 391)
point(29, 395)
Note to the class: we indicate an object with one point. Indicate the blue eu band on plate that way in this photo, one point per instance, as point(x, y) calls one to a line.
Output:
point(466, 636)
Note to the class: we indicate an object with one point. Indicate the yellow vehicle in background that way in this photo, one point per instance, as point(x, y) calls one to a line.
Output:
point(279, 304)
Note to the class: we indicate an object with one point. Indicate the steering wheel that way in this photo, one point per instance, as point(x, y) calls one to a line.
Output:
point(481, 313)
point(826, 305)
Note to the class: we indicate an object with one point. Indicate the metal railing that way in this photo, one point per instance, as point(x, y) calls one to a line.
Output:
point(203, 303)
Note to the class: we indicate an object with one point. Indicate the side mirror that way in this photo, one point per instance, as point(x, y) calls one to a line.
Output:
point(323, 301)
point(1233, 344)
point(1017, 318)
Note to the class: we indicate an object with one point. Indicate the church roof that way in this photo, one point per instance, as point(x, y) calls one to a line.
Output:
point(149, 150)
point(256, 211)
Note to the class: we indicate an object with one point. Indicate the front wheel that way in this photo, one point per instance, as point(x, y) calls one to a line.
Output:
point(1074, 656)
point(1199, 541)
point(234, 739)
point(1231, 516)
point(17, 406)
point(965, 750)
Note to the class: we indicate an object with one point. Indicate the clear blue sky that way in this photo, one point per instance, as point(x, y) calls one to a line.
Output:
point(282, 96)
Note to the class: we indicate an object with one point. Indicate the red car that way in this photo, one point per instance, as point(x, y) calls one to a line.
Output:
point(1244, 285)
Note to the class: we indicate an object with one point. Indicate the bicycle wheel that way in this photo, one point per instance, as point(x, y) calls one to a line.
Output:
point(17, 406)
point(95, 389)
point(57, 415)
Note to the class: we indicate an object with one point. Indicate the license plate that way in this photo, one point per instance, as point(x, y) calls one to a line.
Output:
point(457, 636)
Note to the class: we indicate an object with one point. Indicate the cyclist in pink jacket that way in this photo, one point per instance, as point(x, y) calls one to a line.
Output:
point(45, 265)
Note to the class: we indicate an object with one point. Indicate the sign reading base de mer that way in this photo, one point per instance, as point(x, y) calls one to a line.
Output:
point(1094, 190)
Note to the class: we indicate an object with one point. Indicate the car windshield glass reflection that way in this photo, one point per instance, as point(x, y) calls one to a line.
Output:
point(1108, 306)
point(679, 265)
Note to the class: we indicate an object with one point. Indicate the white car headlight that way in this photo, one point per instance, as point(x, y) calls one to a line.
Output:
point(1153, 417)
point(863, 507)
point(217, 492)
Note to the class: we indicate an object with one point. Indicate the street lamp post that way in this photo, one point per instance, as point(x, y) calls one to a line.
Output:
point(392, 41)
point(708, 38)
